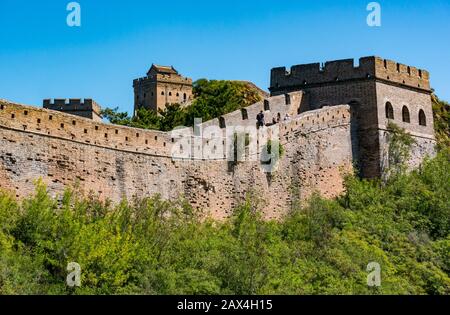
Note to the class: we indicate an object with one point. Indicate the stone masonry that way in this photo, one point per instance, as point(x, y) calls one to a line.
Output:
point(369, 88)
point(163, 85)
point(333, 125)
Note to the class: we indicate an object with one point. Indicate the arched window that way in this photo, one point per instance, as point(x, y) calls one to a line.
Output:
point(162, 93)
point(184, 96)
point(222, 122)
point(405, 115)
point(422, 118)
point(389, 111)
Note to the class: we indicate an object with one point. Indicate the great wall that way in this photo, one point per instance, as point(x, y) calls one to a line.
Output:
point(339, 116)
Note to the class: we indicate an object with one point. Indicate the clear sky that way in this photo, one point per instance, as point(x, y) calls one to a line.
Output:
point(41, 57)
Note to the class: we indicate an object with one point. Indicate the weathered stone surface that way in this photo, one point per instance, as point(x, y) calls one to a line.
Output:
point(317, 145)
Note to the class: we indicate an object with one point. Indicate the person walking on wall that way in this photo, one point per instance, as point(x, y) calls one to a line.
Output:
point(260, 120)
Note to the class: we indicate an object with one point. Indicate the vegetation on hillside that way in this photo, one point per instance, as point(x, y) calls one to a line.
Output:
point(156, 247)
point(211, 99)
point(441, 111)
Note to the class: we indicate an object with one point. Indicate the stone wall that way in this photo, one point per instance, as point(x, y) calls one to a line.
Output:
point(116, 162)
point(86, 108)
point(423, 135)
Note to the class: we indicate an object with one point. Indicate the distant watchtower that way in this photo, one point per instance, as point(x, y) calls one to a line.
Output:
point(378, 90)
point(163, 85)
point(86, 108)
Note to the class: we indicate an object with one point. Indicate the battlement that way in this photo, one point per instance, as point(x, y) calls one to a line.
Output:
point(57, 124)
point(87, 108)
point(162, 78)
point(369, 68)
point(73, 104)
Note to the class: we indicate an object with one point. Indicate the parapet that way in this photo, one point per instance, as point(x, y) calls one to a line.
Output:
point(73, 105)
point(163, 78)
point(369, 68)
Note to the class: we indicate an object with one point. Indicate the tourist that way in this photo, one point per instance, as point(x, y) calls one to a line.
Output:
point(260, 120)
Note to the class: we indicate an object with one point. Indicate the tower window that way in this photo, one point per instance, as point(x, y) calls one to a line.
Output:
point(170, 93)
point(162, 93)
point(389, 111)
point(422, 118)
point(405, 115)
point(184, 96)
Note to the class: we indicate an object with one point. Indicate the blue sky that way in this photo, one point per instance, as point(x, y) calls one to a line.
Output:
point(41, 57)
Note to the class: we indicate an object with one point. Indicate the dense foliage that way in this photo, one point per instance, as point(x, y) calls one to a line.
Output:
point(441, 112)
point(211, 100)
point(156, 247)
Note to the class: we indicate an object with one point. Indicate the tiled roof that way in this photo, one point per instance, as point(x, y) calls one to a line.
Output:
point(163, 69)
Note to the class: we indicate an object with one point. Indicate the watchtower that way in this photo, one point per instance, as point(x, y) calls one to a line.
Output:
point(378, 90)
point(163, 85)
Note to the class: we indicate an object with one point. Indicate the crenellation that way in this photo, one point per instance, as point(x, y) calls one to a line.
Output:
point(369, 68)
